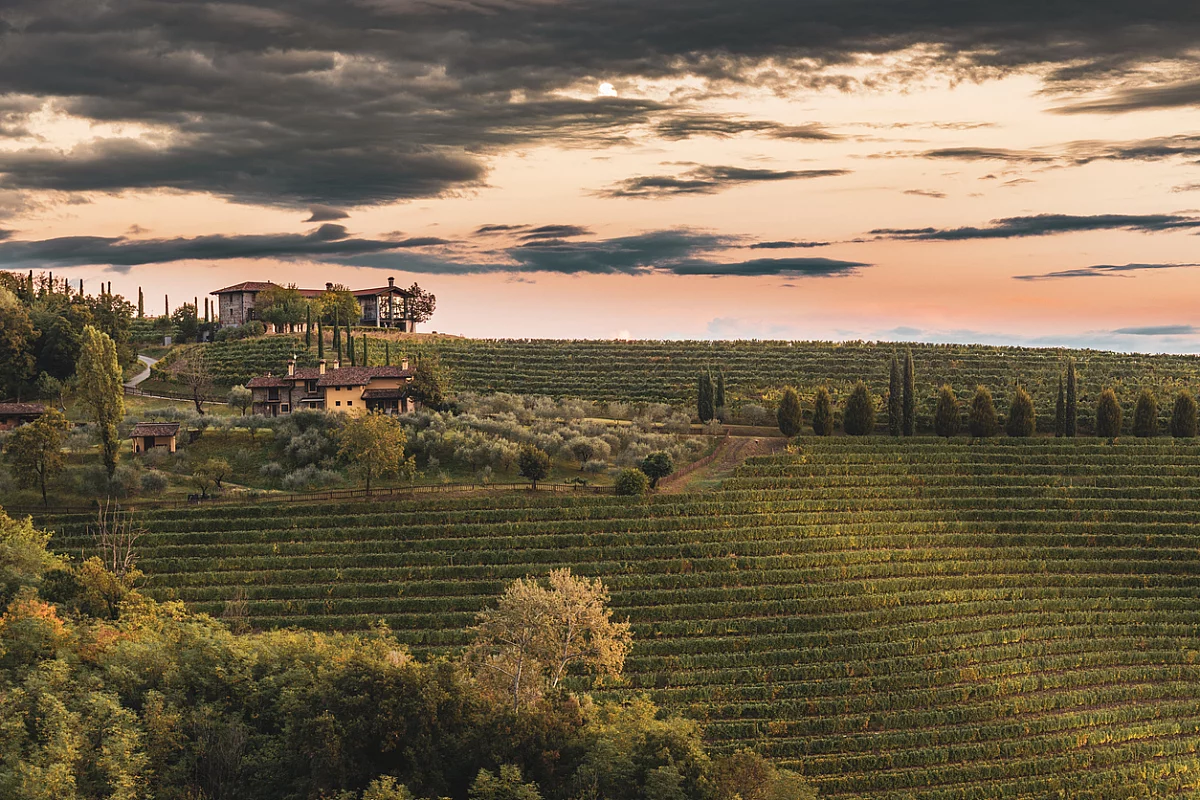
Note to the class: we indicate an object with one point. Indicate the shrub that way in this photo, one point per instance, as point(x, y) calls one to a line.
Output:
point(754, 414)
point(534, 463)
point(632, 482)
point(1108, 415)
point(823, 413)
point(945, 416)
point(154, 482)
point(246, 331)
point(860, 412)
point(1145, 415)
point(1183, 418)
point(309, 478)
point(1022, 420)
point(981, 421)
point(789, 416)
point(657, 466)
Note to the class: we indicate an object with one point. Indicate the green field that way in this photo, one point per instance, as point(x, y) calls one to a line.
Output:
point(895, 619)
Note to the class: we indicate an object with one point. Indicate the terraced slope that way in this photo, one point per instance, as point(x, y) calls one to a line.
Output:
point(896, 619)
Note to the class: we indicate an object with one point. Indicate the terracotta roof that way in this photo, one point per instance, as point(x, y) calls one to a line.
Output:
point(21, 409)
point(266, 382)
point(306, 373)
point(360, 376)
point(155, 429)
point(384, 394)
point(246, 286)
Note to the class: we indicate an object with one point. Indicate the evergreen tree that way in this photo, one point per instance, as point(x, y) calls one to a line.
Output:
point(823, 413)
point(307, 327)
point(859, 418)
point(895, 399)
point(1072, 417)
point(719, 395)
point(1022, 419)
point(945, 416)
point(910, 396)
point(981, 419)
point(387, 353)
point(1145, 415)
point(790, 415)
point(366, 358)
point(141, 302)
point(320, 339)
point(1060, 411)
point(350, 346)
point(1183, 418)
point(1108, 415)
point(705, 408)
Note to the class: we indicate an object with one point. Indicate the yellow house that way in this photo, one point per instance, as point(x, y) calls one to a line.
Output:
point(148, 435)
point(345, 390)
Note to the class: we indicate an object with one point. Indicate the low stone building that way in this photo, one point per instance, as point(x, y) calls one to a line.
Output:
point(14, 414)
point(383, 307)
point(346, 390)
point(149, 435)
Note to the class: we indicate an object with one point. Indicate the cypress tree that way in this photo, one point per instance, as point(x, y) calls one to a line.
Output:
point(320, 338)
point(945, 417)
point(308, 327)
point(895, 399)
point(1145, 415)
point(141, 302)
point(1022, 419)
point(366, 358)
point(337, 337)
point(859, 418)
point(790, 415)
point(981, 421)
point(705, 409)
point(719, 396)
point(910, 395)
point(823, 413)
point(387, 353)
point(1108, 415)
point(350, 346)
point(1183, 418)
point(1072, 417)
point(1060, 411)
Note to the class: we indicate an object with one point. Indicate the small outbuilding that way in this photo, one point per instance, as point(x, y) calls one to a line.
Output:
point(148, 435)
point(14, 414)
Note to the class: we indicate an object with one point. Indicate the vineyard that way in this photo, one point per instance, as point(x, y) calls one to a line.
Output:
point(662, 371)
point(895, 619)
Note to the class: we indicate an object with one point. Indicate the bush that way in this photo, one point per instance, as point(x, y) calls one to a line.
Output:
point(657, 466)
point(247, 331)
point(272, 471)
point(823, 413)
point(310, 478)
point(632, 482)
point(945, 416)
point(1183, 418)
point(1022, 420)
point(1108, 415)
point(860, 412)
point(154, 482)
point(754, 414)
point(981, 421)
point(789, 416)
point(1145, 415)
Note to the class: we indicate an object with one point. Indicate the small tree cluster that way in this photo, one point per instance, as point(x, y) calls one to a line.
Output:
point(790, 416)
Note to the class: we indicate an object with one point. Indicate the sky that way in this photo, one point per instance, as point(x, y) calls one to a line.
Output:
point(910, 170)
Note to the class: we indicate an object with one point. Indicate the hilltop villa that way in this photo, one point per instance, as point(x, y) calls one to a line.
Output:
point(383, 307)
point(346, 390)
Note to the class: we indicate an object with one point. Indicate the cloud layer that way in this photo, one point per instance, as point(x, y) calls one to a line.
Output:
point(708, 180)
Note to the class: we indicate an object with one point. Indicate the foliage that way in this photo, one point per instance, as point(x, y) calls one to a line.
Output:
point(430, 383)
point(1108, 415)
point(859, 417)
point(706, 408)
point(823, 413)
point(194, 372)
point(910, 394)
point(209, 474)
point(247, 330)
point(945, 417)
point(1071, 420)
point(789, 416)
point(421, 304)
point(1060, 412)
point(657, 466)
point(240, 398)
point(720, 403)
point(1145, 415)
point(1022, 421)
point(186, 323)
point(895, 400)
point(339, 306)
point(101, 390)
point(632, 483)
point(372, 446)
point(981, 418)
point(16, 345)
point(534, 463)
point(1183, 416)
point(34, 451)
point(281, 306)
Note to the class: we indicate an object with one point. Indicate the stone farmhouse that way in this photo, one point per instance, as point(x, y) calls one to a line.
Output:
point(383, 307)
point(14, 414)
point(346, 390)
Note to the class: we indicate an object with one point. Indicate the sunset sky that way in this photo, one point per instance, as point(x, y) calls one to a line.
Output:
point(934, 170)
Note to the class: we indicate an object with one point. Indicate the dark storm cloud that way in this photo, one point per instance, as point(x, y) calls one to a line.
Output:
point(1159, 330)
point(1076, 153)
point(71, 251)
point(786, 245)
point(786, 267)
point(1174, 95)
point(358, 102)
point(707, 180)
point(319, 213)
point(1045, 225)
point(1098, 271)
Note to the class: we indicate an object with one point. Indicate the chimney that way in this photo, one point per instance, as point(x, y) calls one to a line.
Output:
point(329, 286)
point(391, 283)
point(404, 363)
point(292, 367)
point(337, 363)
point(321, 367)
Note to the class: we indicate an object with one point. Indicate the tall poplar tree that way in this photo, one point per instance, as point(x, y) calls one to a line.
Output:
point(307, 326)
point(910, 396)
point(896, 399)
point(99, 375)
point(1072, 416)
point(1060, 411)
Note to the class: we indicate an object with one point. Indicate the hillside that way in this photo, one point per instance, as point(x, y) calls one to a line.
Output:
point(896, 619)
point(663, 371)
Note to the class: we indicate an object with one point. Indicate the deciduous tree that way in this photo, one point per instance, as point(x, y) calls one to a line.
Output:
point(631, 483)
point(534, 463)
point(16, 345)
point(430, 383)
point(657, 466)
point(421, 304)
point(240, 398)
point(34, 451)
point(372, 445)
point(101, 390)
point(194, 372)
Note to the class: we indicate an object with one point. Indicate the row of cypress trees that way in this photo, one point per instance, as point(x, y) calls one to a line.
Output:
point(710, 396)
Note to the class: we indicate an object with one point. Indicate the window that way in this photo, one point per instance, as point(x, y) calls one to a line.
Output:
point(349, 402)
point(272, 394)
point(310, 387)
point(285, 407)
point(339, 402)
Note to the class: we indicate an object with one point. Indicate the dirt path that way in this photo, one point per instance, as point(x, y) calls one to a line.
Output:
point(730, 453)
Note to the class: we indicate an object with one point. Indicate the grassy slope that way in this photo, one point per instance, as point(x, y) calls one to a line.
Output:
point(912, 619)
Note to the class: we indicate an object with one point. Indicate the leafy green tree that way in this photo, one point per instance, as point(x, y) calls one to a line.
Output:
point(534, 463)
point(859, 418)
point(1022, 419)
point(657, 466)
point(507, 785)
point(945, 415)
point(789, 416)
point(1183, 417)
point(34, 451)
point(240, 398)
point(981, 418)
point(372, 445)
point(705, 399)
point(1108, 415)
point(823, 413)
point(101, 390)
point(1060, 412)
point(910, 395)
point(895, 399)
point(339, 306)
point(1145, 415)
point(17, 337)
point(281, 306)
point(1071, 420)
point(421, 304)
point(186, 323)
point(631, 483)
point(430, 383)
